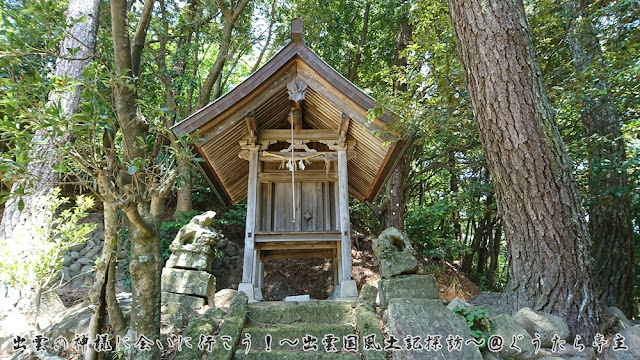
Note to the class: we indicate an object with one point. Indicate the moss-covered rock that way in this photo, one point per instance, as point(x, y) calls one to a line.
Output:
point(393, 254)
point(231, 328)
point(311, 313)
point(203, 325)
point(369, 329)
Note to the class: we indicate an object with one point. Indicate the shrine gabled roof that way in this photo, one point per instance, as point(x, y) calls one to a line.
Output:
point(329, 95)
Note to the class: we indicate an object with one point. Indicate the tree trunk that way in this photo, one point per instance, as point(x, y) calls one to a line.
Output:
point(539, 204)
point(453, 187)
point(609, 206)
point(393, 213)
point(353, 74)
point(230, 16)
point(185, 191)
point(494, 252)
point(81, 36)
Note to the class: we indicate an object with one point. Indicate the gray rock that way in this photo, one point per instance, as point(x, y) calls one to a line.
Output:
point(631, 341)
point(66, 275)
point(459, 303)
point(86, 269)
point(92, 254)
point(231, 250)
point(76, 247)
point(221, 244)
point(507, 328)
point(408, 287)
point(67, 260)
point(222, 299)
point(76, 254)
point(547, 325)
point(368, 295)
point(412, 317)
point(85, 261)
point(614, 312)
point(75, 267)
point(393, 254)
point(190, 282)
point(217, 263)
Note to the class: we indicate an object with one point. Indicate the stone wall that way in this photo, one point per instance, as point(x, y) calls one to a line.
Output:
point(79, 260)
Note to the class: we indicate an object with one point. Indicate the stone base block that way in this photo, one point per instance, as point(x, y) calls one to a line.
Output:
point(189, 282)
point(248, 289)
point(408, 287)
point(190, 260)
point(348, 290)
point(192, 302)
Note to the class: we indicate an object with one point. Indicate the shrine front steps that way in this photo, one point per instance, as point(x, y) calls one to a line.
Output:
point(289, 323)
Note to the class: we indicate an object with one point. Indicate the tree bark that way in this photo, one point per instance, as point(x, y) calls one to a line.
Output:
point(81, 36)
point(392, 213)
point(609, 206)
point(539, 204)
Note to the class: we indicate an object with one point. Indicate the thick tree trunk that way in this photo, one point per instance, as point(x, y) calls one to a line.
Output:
point(81, 36)
point(609, 206)
point(543, 220)
point(392, 214)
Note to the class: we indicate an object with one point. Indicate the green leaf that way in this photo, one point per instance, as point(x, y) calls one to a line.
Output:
point(20, 204)
point(132, 169)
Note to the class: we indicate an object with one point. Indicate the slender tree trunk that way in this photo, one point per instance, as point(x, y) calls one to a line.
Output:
point(102, 294)
point(81, 36)
point(494, 252)
point(453, 190)
point(609, 208)
point(230, 16)
point(478, 235)
point(185, 195)
point(538, 201)
point(353, 74)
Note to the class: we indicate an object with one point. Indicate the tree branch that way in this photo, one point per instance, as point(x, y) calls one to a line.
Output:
point(140, 35)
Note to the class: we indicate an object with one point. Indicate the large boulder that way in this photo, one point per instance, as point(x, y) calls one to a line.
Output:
point(420, 317)
point(393, 254)
point(408, 287)
point(546, 325)
point(507, 328)
point(631, 340)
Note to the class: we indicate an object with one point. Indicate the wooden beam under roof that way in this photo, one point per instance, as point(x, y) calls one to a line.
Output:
point(305, 134)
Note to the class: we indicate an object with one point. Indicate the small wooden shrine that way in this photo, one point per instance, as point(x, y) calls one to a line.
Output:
point(295, 141)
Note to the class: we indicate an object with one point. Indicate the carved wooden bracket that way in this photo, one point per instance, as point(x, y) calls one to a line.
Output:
point(297, 89)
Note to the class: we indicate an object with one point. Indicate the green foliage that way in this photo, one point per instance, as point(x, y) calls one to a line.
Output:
point(478, 320)
point(34, 262)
